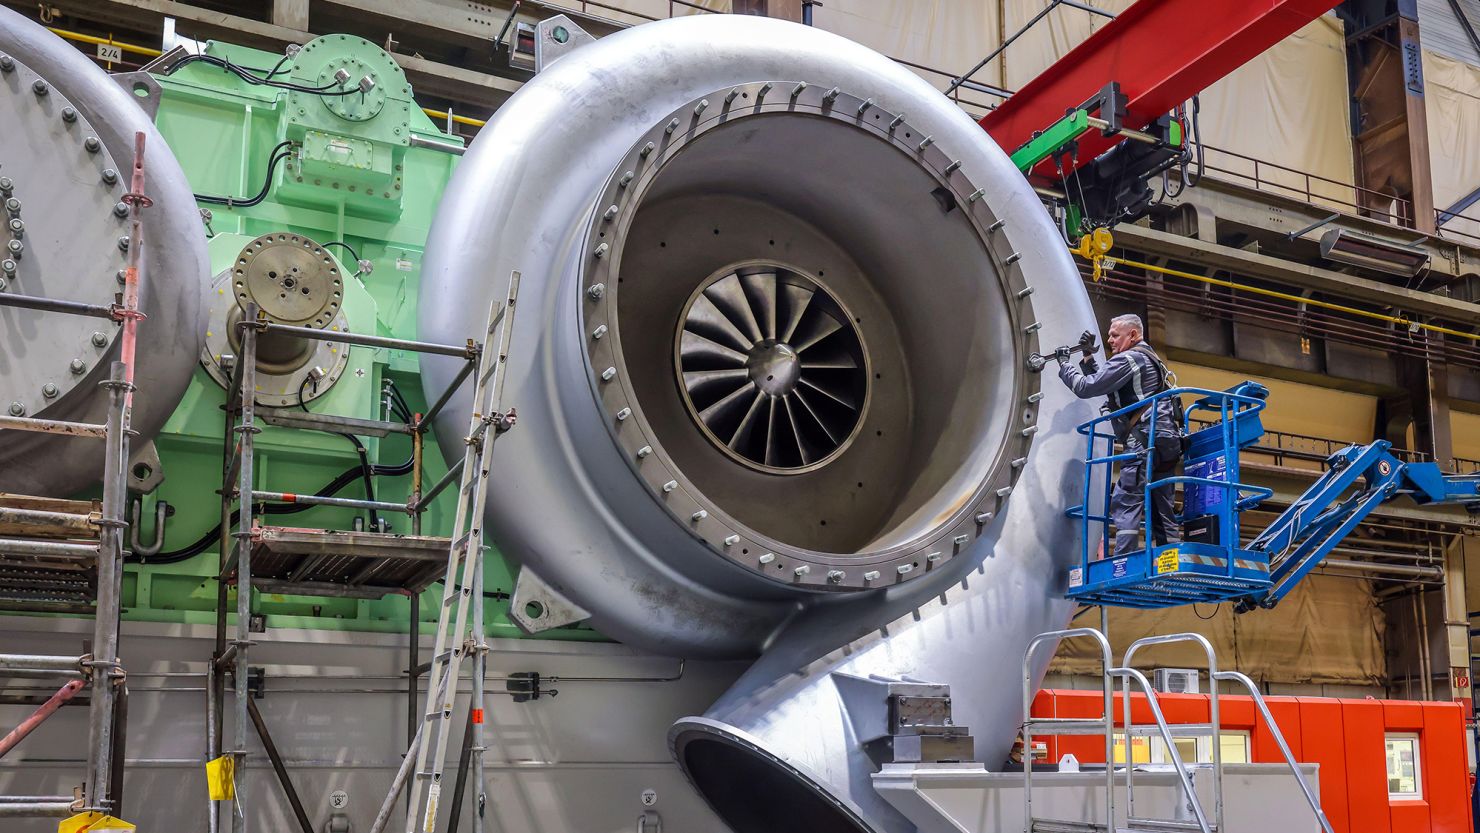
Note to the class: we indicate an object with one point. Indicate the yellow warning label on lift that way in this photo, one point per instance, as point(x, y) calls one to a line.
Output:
point(90, 822)
point(1167, 561)
point(221, 778)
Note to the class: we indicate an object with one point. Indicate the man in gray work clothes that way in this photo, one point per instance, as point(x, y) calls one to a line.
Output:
point(1132, 373)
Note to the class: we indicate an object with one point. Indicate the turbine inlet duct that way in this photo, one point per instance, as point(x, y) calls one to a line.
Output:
point(777, 297)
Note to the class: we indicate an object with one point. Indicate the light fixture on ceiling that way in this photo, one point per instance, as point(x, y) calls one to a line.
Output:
point(1345, 246)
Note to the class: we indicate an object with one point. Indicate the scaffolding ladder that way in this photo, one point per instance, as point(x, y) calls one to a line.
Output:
point(460, 621)
point(42, 548)
point(309, 562)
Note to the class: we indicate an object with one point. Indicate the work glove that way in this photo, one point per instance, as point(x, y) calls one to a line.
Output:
point(1089, 365)
point(1063, 354)
point(1088, 343)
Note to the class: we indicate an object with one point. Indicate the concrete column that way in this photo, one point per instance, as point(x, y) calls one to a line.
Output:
point(291, 14)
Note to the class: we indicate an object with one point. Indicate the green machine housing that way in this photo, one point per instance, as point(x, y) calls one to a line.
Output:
point(347, 161)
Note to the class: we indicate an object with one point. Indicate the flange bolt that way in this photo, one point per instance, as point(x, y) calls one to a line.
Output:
point(92, 144)
point(13, 206)
point(49, 390)
point(8, 267)
point(15, 247)
point(69, 115)
point(6, 185)
point(6, 63)
point(39, 87)
point(17, 409)
point(110, 176)
point(77, 367)
point(99, 340)
point(120, 210)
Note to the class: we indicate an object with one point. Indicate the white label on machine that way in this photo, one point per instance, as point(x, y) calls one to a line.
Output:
point(1076, 577)
point(110, 52)
point(339, 799)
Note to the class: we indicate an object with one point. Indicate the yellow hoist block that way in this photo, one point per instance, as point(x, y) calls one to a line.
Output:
point(91, 822)
point(1093, 247)
point(221, 778)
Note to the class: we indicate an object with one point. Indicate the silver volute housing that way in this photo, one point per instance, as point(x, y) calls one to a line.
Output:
point(676, 198)
point(67, 157)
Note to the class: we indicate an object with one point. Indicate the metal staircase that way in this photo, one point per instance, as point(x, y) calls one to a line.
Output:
point(1128, 821)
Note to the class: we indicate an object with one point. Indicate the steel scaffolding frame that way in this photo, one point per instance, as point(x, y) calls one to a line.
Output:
point(102, 791)
point(417, 560)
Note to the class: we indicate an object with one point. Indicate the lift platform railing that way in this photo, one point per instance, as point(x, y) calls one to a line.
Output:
point(1229, 406)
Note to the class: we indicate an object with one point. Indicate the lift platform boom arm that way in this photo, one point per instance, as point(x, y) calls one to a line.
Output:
point(1326, 513)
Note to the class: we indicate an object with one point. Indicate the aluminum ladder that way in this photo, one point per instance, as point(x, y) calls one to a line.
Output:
point(460, 631)
point(1105, 725)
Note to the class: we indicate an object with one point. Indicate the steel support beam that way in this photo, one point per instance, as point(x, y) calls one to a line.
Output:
point(1158, 59)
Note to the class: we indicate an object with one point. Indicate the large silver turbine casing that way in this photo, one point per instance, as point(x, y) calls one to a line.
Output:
point(53, 100)
point(693, 183)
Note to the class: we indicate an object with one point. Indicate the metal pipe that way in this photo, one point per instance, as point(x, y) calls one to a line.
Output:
point(213, 740)
point(460, 785)
point(360, 339)
point(333, 424)
point(25, 799)
point(53, 549)
point(120, 748)
point(432, 144)
point(323, 588)
point(1394, 569)
point(247, 429)
point(278, 766)
point(315, 500)
point(398, 783)
point(442, 483)
point(104, 663)
point(38, 662)
point(47, 709)
point(69, 521)
point(52, 426)
point(462, 375)
point(34, 809)
point(40, 304)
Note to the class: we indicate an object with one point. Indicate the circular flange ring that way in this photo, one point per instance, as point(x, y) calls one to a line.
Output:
point(706, 520)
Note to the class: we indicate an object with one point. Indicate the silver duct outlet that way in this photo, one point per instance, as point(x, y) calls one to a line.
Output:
point(65, 163)
point(777, 294)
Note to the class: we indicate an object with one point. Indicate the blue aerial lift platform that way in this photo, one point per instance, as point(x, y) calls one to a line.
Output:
point(1211, 564)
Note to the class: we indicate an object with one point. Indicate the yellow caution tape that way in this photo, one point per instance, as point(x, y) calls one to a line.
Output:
point(90, 822)
point(221, 778)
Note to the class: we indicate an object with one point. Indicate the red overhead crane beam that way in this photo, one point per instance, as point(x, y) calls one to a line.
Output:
point(1161, 52)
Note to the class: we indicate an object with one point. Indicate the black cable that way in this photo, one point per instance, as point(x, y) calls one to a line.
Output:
point(282, 151)
point(1210, 616)
point(365, 469)
point(1191, 180)
point(242, 73)
point(352, 253)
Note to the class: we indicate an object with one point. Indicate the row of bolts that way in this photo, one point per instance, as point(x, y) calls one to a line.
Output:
point(16, 247)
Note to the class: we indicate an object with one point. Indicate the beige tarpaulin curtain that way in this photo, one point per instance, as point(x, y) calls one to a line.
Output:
point(1452, 102)
point(1287, 106)
point(1328, 631)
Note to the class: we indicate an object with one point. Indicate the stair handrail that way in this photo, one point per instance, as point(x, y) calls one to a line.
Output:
point(1213, 715)
point(1166, 736)
point(1279, 739)
point(1108, 717)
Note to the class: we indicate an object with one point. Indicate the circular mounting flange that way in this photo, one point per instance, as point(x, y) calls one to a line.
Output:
point(292, 278)
point(63, 234)
point(772, 368)
point(944, 500)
